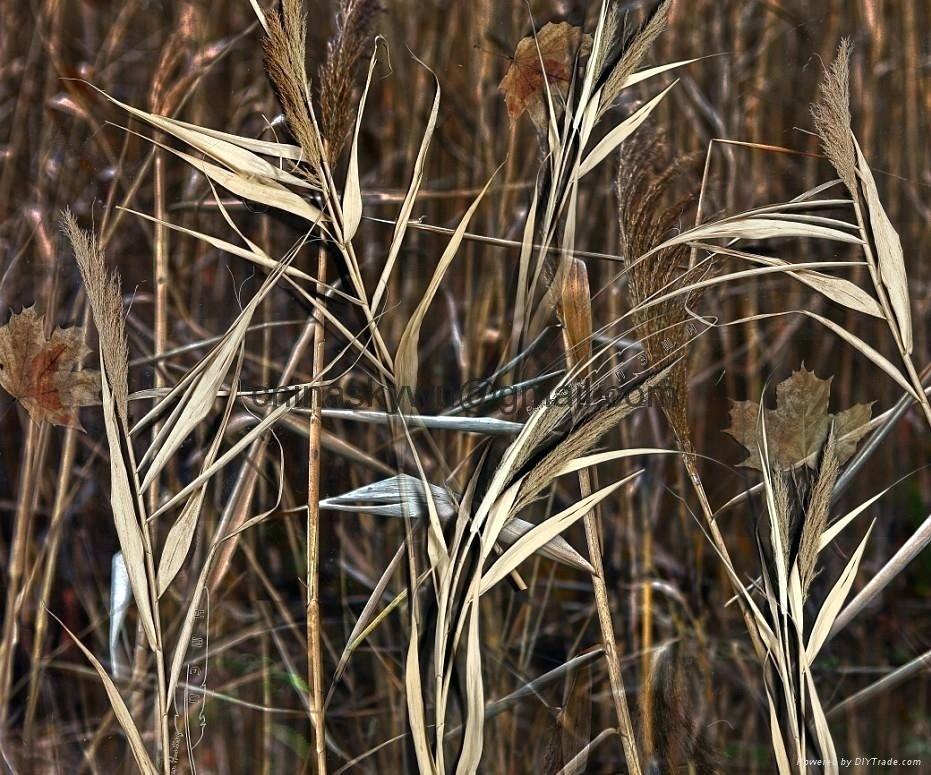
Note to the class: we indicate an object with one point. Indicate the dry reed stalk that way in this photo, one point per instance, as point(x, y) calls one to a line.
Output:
point(314, 648)
point(576, 313)
point(160, 279)
point(18, 551)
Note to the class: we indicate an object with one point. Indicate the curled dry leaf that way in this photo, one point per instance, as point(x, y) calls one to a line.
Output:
point(42, 373)
point(403, 495)
point(522, 84)
point(797, 427)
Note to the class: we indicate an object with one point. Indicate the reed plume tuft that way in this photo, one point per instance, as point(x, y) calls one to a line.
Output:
point(106, 299)
point(625, 51)
point(355, 20)
point(816, 517)
point(646, 183)
point(802, 500)
point(285, 57)
point(831, 114)
point(673, 711)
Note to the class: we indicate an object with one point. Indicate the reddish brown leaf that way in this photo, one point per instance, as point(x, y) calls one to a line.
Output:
point(522, 85)
point(797, 427)
point(41, 373)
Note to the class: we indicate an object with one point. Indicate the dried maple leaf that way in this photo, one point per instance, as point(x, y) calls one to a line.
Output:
point(522, 84)
point(39, 371)
point(797, 427)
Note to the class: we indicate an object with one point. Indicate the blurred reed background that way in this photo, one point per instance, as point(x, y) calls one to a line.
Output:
point(61, 146)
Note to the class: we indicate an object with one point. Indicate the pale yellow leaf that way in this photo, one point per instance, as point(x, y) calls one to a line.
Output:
point(620, 133)
point(834, 602)
point(352, 192)
point(888, 253)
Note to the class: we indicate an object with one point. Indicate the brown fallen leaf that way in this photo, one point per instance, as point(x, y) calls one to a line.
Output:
point(797, 427)
point(522, 84)
point(41, 372)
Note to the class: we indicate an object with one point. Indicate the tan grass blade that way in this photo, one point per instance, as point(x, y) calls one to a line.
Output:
point(558, 549)
point(888, 253)
point(120, 710)
point(103, 290)
point(586, 98)
point(261, 259)
point(851, 339)
point(524, 295)
point(187, 626)
point(123, 501)
point(587, 461)
point(267, 192)
point(400, 227)
point(199, 397)
point(200, 588)
point(416, 715)
point(836, 289)
point(834, 601)
point(352, 192)
point(838, 526)
point(620, 133)
point(260, 14)
point(370, 621)
point(473, 739)
point(651, 72)
point(762, 626)
point(179, 538)
point(218, 148)
point(755, 227)
point(227, 457)
point(545, 532)
point(284, 151)
point(406, 360)
point(370, 616)
point(866, 350)
point(780, 551)
point(816, 219)
point(779, 745)
point(183, 641)
point(896, 564)
point(178, 541)
point(437, 550)
point(825, 740)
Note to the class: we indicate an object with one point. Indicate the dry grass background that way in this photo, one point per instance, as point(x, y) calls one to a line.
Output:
point(692, 680)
